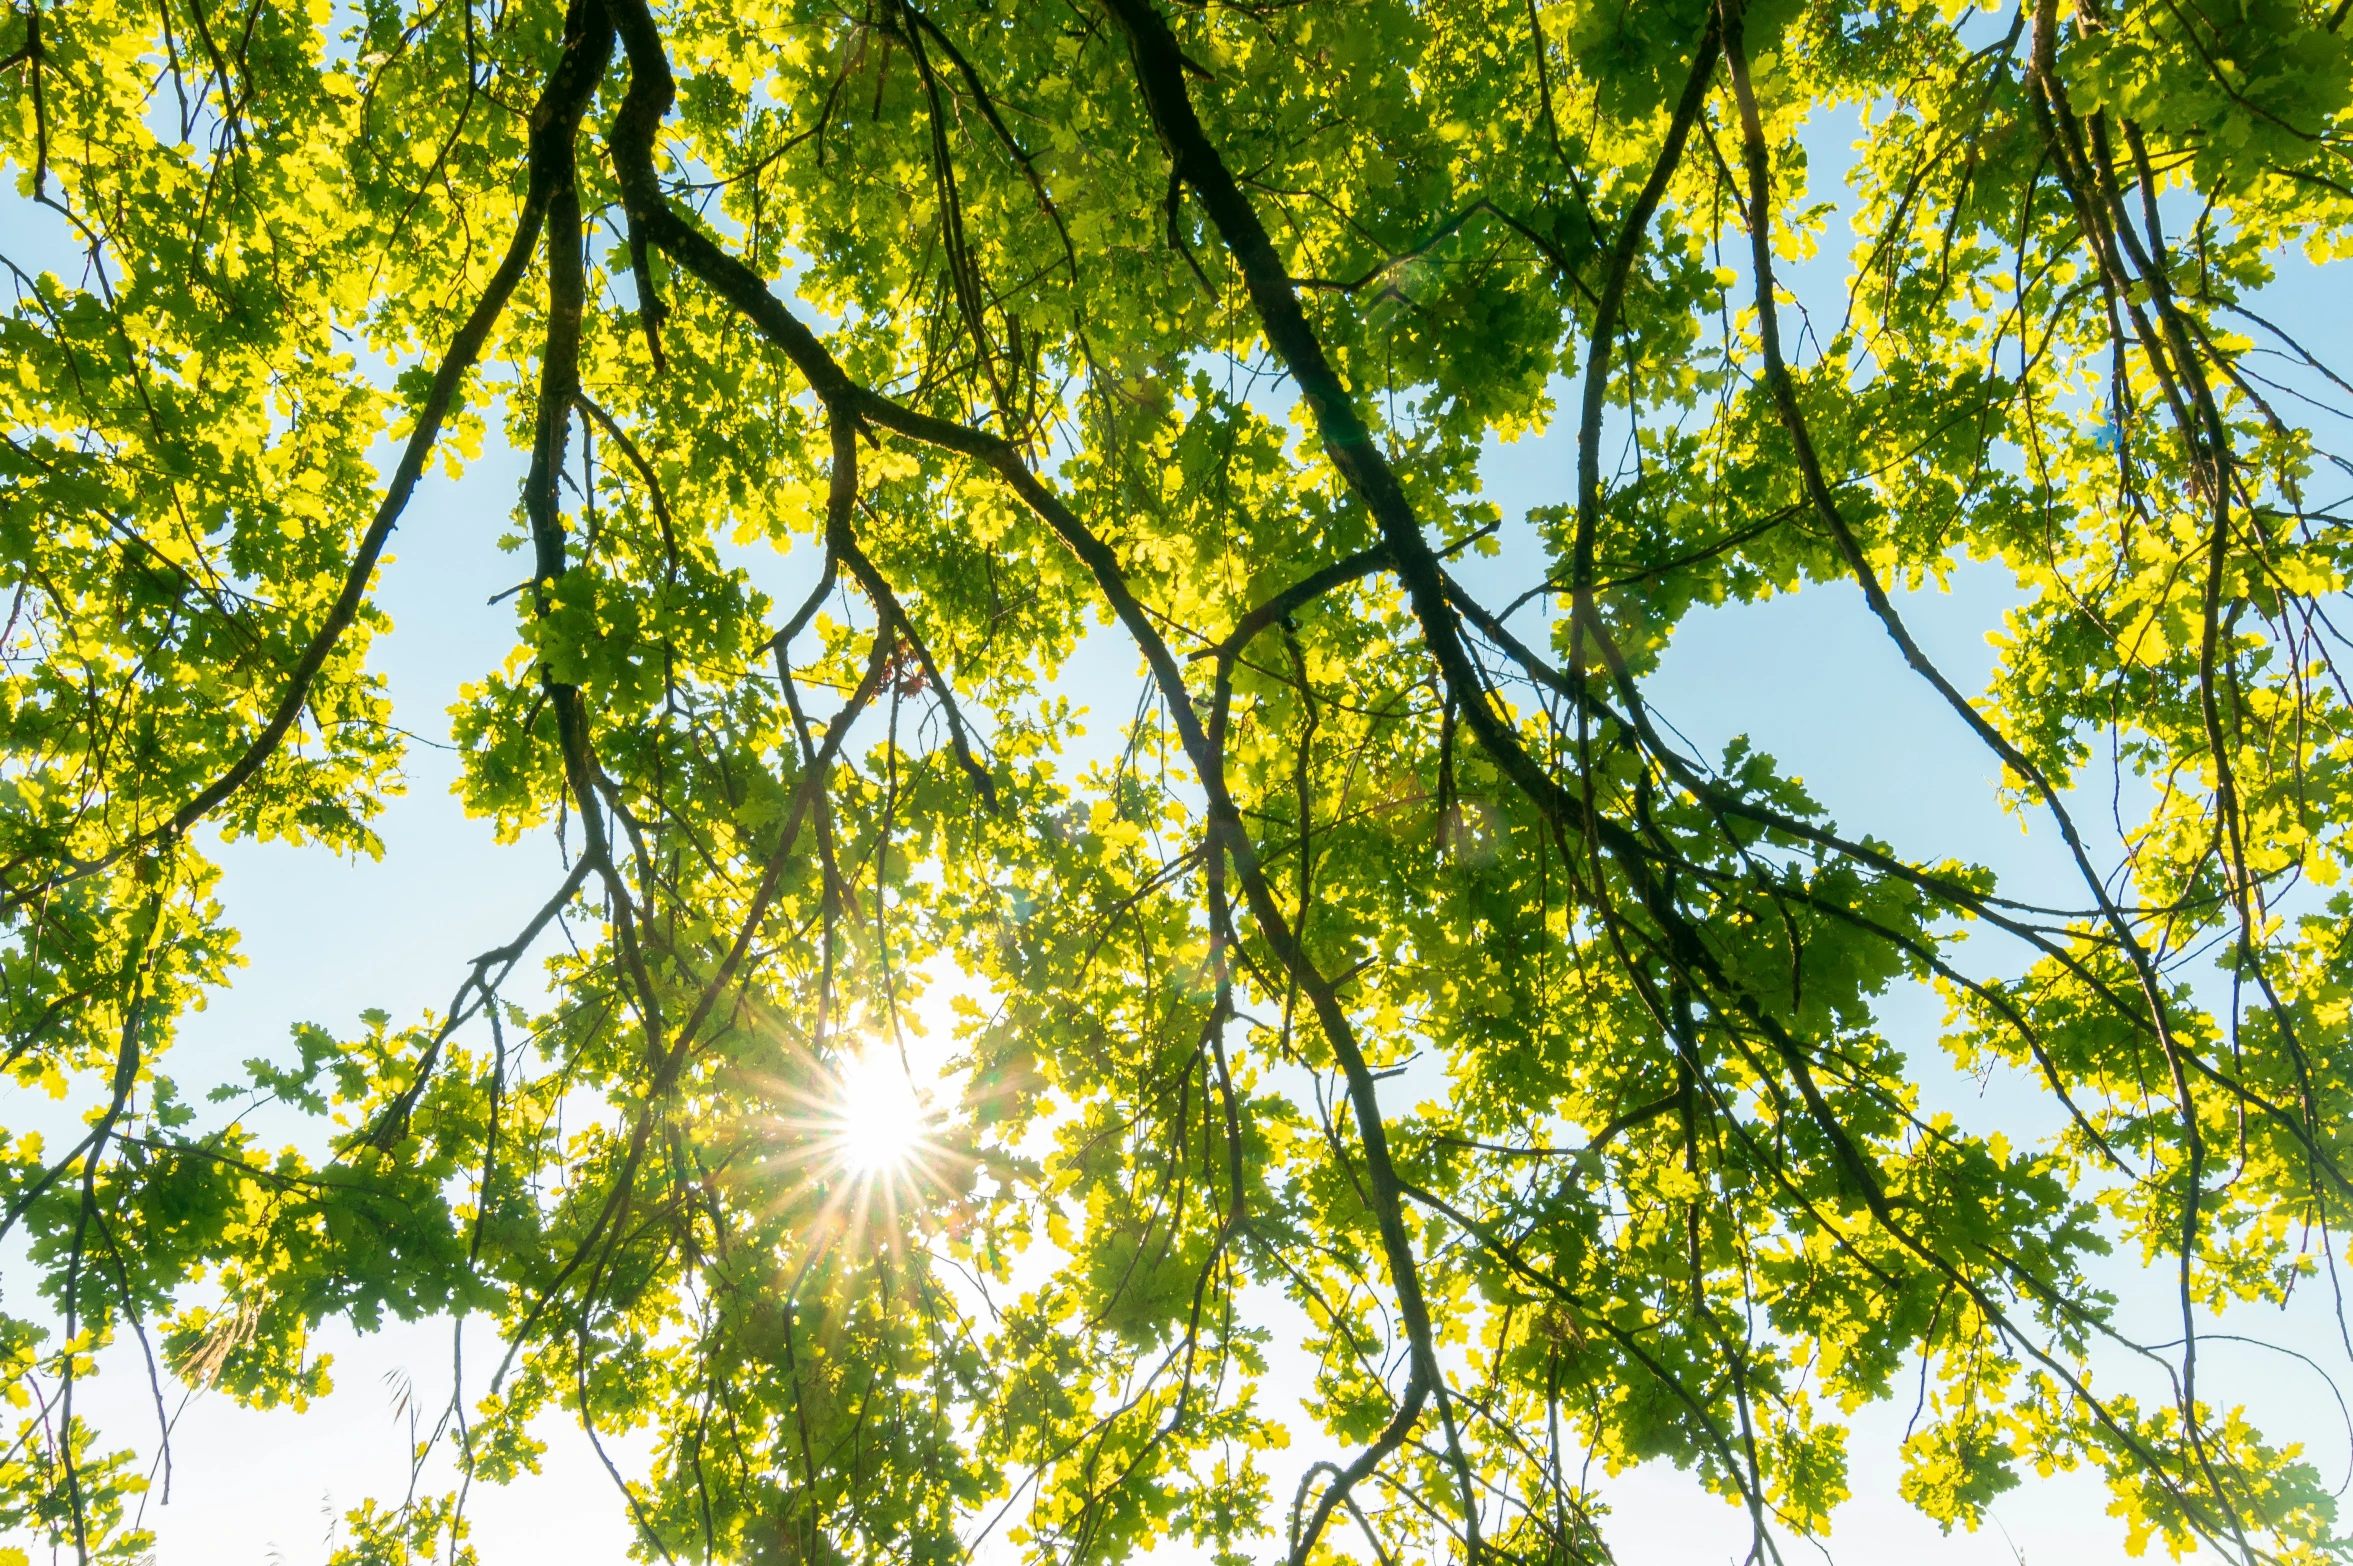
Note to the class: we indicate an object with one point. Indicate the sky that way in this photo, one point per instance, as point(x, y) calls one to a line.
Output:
point(1809, 678)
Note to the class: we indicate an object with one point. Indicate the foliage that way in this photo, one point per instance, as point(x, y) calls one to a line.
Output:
point(1193, 322)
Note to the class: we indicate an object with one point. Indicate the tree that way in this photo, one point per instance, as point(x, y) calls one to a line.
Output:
point(1678, 1198)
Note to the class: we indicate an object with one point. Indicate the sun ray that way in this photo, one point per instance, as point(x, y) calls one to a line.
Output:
point(860, 1147)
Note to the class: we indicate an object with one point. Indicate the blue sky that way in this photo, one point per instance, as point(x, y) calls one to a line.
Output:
point(1810, 678)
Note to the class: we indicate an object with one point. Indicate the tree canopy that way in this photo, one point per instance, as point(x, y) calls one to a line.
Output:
point(1191, 321)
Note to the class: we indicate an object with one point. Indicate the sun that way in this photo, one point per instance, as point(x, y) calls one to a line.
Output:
point(879, 1116)
point(864, 1146)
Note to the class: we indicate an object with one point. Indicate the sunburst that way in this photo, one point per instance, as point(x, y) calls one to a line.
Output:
point(859, 1146)
point(879, 1120)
